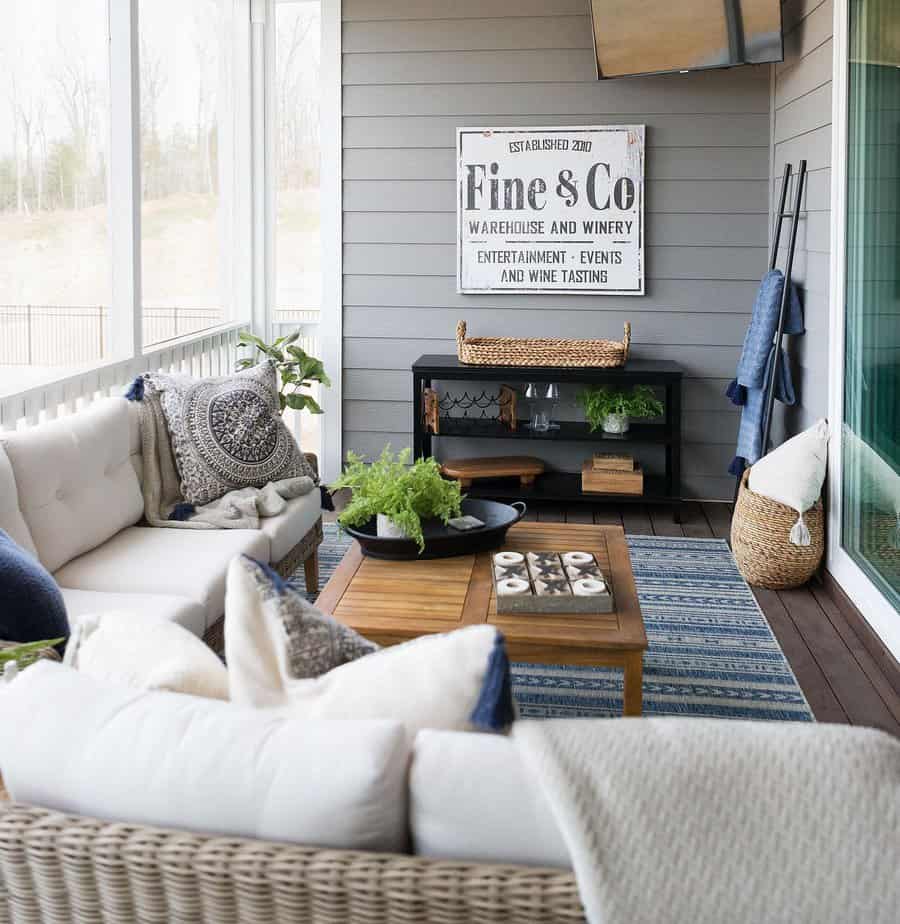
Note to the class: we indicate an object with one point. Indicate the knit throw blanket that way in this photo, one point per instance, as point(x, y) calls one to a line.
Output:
point(712, 821)
point(756, 365)
point(161, 485)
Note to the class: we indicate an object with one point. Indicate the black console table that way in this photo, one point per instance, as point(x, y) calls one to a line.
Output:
point(560, 487)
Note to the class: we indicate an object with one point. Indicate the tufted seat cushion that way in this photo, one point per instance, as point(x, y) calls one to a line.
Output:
point(288, 528)
point(188, 563)
point(76, 485)
point(187, 613)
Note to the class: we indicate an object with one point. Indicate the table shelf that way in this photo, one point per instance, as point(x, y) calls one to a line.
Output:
point(429, 372)
point(565, 487)
point(567, 431)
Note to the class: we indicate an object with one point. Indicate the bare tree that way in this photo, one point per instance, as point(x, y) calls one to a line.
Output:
point(17, 152)
point(77, 92)
point(153, 84)
point(288, 79)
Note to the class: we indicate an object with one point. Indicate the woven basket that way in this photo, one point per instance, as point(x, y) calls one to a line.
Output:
point(540, 351)
point(759, 540)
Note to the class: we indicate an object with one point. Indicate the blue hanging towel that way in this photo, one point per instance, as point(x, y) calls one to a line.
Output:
point(757, 355)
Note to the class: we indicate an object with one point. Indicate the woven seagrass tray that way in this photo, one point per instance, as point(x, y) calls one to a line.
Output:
point(540, 351)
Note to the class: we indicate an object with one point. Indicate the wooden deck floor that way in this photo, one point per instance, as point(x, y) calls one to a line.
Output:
point(842, 680)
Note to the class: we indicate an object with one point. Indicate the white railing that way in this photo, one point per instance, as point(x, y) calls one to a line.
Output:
point(305, 320)
point(211, 352)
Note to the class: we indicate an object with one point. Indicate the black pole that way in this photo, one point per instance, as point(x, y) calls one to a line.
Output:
point(779, 216)
point(773, 259)
point(785, 296)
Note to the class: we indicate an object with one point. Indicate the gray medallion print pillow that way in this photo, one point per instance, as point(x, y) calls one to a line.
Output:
point(316, 642)
point(227, 432)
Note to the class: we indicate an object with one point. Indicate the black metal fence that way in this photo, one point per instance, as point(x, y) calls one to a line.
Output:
point(64, 335)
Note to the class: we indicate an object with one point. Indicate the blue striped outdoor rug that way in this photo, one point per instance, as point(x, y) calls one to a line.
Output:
point(711, 650)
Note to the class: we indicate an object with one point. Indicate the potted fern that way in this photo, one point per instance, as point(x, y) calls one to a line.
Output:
point(612, 408)
point(398, 495)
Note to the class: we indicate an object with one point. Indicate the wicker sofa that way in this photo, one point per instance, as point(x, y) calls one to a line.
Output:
point(62, 868)
point(70, 493)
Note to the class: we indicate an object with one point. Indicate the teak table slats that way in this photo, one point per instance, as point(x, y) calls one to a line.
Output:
point(393, 601)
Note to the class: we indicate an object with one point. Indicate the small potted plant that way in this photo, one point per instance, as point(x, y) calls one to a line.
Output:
point(296, 369)
point(397, 494)
point(612, 408)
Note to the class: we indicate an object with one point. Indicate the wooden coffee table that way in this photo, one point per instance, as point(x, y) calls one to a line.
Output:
point(394, 601)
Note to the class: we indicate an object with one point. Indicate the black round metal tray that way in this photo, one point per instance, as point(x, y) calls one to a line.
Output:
point(444, 541)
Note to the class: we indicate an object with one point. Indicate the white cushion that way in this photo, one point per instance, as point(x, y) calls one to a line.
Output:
point(11, 520)
point(81, 603)
point(458, 680)
point(472, 798)
point(189, 563)
point(75, 481)
point(147, 652)
point(288, 528)
point(176, 761)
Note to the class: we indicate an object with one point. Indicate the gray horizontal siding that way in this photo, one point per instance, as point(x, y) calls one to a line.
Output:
point(678, 196)
point(416, 70)
point(671, 163)
point(661, 262)
point(670, 229)
point(716, 361)
point(802, 129)
point(721, 329)
point(663, 130)
point(678, 295)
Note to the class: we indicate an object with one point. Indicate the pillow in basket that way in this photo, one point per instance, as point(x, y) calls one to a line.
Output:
point(227, 432)
point(456, 681)
point(793, 475)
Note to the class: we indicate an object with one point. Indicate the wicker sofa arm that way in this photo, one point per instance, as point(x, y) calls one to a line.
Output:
point(59, 868)
point(313, 460)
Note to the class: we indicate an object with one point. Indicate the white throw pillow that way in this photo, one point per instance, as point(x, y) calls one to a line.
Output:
point(146, 652)
point(793, 475)
point(456, 681)
point(75, 744)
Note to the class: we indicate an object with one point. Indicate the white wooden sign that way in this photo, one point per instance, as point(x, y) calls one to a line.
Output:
point(551, 209)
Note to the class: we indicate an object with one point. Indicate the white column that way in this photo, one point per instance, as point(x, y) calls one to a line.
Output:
point(331, 317)
point(125, 179)
point(260, 157)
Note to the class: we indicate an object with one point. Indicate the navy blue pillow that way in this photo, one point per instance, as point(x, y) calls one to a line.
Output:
point(31, 604)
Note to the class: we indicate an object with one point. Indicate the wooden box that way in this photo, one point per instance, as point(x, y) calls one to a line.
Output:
point(534, 603)
point(612, 462)
point(610, 481)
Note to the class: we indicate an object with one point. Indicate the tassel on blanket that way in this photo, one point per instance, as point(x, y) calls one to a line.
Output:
point(738, 464)
point(799, 534)
point(737, 393)
point(182, 512)
point(136, 392)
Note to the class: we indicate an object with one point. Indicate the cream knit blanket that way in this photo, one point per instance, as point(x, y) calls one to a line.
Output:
point(702, 821)
point(161, 485)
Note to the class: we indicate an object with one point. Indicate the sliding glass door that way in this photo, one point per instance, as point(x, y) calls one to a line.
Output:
point(870, 469)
